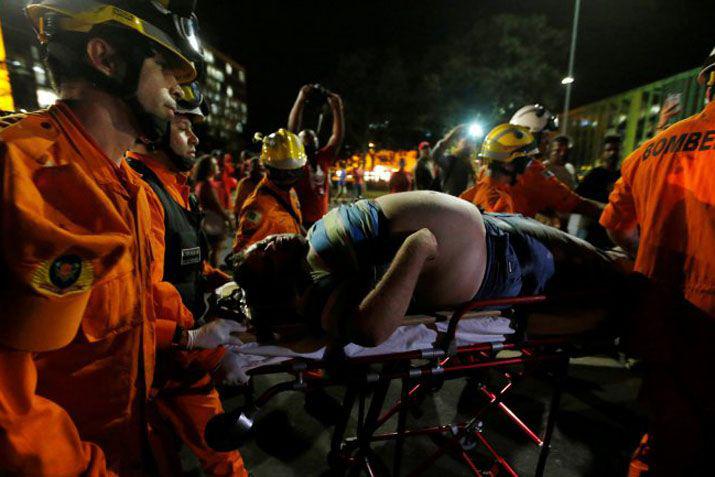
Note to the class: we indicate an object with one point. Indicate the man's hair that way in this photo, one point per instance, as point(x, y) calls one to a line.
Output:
point(563, 139)
point(269, 287)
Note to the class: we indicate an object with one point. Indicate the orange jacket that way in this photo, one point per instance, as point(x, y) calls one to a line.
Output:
point(246, 186)
point(263, 215)
point(78, 262)
point(535, 190)
point(667, 189)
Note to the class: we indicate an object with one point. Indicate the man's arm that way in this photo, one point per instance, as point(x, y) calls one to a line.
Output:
point(627, 239)
point(338, 133)
point(383, 309)
point(37, 437)
point(559, 196)
point(295, 118)
point(588, 207)
point(446, 142)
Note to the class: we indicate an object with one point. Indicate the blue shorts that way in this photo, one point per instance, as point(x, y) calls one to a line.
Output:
point(517, 264)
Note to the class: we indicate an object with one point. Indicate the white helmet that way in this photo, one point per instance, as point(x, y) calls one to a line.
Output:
point(536, 118)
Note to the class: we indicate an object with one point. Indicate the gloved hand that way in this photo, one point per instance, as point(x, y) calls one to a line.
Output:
point(214, 334)
point(231, 372)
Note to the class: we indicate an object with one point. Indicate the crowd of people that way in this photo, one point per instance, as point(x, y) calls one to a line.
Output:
point(114, 230)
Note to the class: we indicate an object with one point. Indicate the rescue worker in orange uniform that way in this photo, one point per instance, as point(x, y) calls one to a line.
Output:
point(77, 336)
point(273, 208)
point(184, 393)
point(662, 211)
point(516, 182)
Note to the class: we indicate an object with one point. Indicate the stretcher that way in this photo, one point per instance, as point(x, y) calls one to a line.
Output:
point(421, 355)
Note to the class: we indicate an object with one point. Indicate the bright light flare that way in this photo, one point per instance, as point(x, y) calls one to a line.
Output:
point(567, 80)
point(475, 130)
point(46, 97)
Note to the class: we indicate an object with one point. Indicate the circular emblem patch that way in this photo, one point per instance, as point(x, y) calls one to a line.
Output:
point(65, 270)
point(63, 275)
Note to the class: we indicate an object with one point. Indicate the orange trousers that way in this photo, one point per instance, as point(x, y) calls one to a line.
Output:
point(184, 402)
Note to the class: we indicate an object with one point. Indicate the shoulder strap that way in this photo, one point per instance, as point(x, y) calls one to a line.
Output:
point(284, 204)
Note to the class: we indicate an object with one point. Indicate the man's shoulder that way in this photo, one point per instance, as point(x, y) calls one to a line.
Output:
point(27, 136)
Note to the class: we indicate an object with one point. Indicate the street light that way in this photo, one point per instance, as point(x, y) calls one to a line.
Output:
point(568, 80)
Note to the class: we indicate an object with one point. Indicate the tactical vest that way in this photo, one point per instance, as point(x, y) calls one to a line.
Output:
point(185, 246)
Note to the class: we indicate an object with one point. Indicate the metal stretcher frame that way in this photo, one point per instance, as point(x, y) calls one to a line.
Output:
point(445, 360)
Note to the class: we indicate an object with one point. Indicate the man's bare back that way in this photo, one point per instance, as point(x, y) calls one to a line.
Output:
point(456, 273)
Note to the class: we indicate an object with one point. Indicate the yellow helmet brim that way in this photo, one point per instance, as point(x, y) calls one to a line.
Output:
point(88, 14)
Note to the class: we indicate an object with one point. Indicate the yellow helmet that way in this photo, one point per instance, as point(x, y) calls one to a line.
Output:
point(507, 142)
point(282, 150)
point(177, 35)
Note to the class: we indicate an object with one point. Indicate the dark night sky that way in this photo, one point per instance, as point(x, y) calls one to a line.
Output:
point(284, 44)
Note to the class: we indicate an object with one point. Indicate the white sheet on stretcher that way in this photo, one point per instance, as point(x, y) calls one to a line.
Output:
point(491, 329)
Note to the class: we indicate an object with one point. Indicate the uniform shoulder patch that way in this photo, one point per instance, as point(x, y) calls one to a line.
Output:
point(62, 276)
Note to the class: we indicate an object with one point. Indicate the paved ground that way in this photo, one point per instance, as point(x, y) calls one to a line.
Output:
point(598, 426)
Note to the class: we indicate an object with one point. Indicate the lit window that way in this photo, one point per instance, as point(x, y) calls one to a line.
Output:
point(229, 69)
point(229, 90)
point(241, 76)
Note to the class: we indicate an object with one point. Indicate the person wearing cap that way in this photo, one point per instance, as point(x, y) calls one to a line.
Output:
point(516, 182)
point(313, 188)
point(661, 211)
point(273, 208)
point(77, 349)
point(183, 390)
point(426, 172)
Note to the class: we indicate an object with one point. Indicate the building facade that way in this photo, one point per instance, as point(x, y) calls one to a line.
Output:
point(225, 89)
point(633, 115)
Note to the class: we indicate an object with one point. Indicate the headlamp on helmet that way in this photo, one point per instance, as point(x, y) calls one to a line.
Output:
point(192, 102)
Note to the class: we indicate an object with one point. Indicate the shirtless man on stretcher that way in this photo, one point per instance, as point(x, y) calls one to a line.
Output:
point(365, 265)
